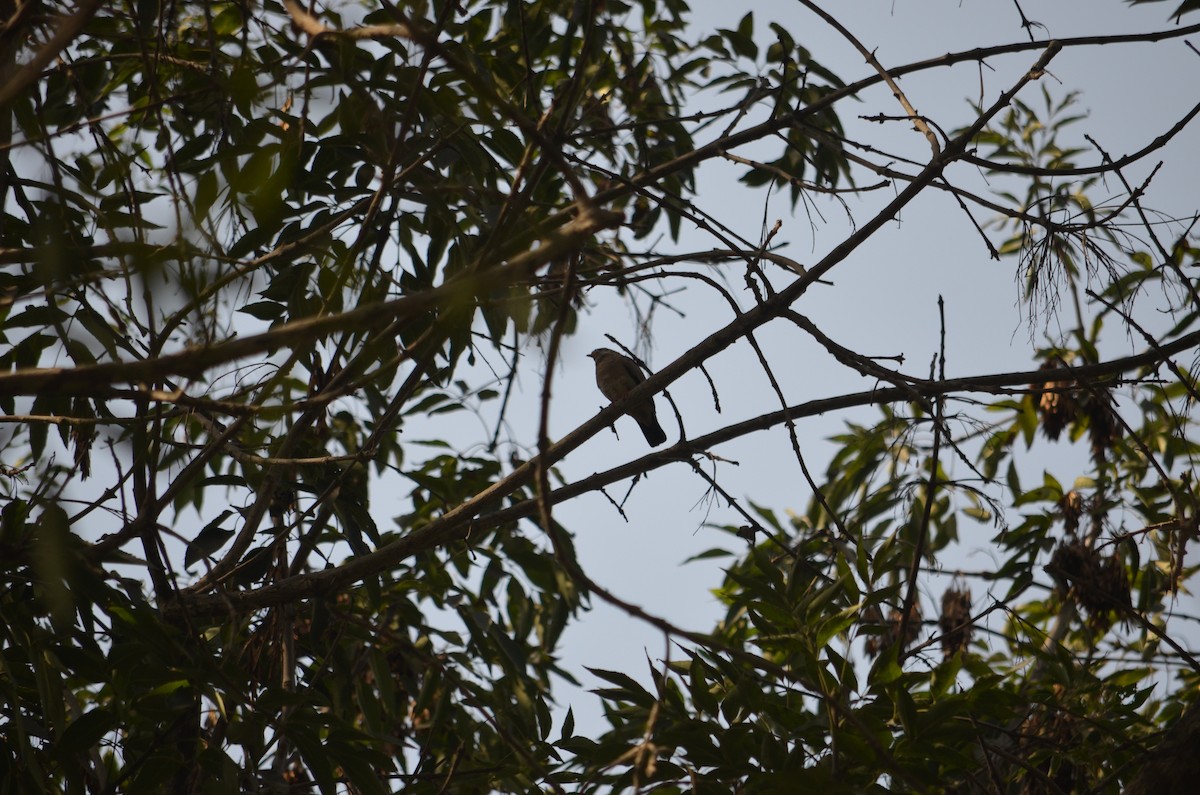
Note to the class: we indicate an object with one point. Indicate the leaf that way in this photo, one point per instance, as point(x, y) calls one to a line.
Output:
point(836, 624)
point(742, 39)
point(886, 669)
point(206, 194)
point(83, 734)
point(626, 688)
point(228, 20)
point(13, 522)
point(264, 310)
point(709, 554)
point(1186, 7)
point(210, 539)
point(253, 566)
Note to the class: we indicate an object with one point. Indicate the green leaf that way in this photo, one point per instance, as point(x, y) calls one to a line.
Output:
point(264, 310)
point(210, 539)
point(708, 554)
point(568, 727)
point(13, 522)
point(228, 20)
point(836, 624)
point(1186, 7)
point(83, 734)
point(626, 688)
point(206, 193)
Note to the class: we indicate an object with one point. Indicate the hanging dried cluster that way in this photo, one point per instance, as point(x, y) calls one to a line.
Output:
point(955, 621)
point(1097, 584)
point(885, 633)
point(1062, 403)
point(1055, 403)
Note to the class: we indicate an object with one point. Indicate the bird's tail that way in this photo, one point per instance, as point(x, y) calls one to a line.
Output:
point(653, 432)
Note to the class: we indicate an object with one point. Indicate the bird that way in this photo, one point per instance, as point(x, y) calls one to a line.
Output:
point(617, 375)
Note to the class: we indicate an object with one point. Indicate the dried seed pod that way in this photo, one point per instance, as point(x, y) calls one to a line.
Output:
point(1104, 428)
point(1055, 403)
point(872, 618)
point(887, 632)
point(1098, 585)
point(1072, 509)
point(955, 621)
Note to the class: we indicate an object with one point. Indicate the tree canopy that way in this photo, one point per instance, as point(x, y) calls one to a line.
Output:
point(291, 301)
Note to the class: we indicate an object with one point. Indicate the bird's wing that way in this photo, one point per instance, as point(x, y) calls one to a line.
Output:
point(631, 367)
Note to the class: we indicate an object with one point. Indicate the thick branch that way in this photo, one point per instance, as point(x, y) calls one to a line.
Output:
point(478, 516)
